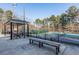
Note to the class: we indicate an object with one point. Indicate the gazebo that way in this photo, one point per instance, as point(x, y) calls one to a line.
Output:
point(18, 23)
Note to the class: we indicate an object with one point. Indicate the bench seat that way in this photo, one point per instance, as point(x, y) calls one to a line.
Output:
point(47, 42)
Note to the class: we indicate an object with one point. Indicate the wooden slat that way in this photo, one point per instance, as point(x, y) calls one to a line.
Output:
point(46, 41)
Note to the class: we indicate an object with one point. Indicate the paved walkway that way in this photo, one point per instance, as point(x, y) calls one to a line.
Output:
point(22, 47)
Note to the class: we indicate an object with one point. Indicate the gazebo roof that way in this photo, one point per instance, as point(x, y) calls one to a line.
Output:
point(17, 21)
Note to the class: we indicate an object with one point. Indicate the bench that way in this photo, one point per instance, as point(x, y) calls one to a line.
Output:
point(47, 42)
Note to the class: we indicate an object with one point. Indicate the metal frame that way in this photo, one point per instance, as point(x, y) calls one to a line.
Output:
point(18, 23)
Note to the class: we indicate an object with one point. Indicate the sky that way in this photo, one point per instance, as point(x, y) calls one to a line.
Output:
point(37, 10)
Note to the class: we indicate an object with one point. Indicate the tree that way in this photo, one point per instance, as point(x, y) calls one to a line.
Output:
point(1, 13)
point(1, 17)
point(46, 21)
point(55, 21)
point(9, 14)
point(52, 20)
point(64, 20)
point(37, 21)
point(72, 12)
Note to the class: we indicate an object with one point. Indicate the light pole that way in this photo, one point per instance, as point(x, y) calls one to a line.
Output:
point(24, 20)
point(36, 30)
point(13, 6)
